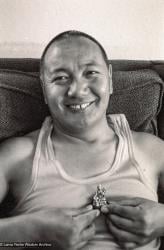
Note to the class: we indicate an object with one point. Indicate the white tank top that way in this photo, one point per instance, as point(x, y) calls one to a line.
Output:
point(52, 187)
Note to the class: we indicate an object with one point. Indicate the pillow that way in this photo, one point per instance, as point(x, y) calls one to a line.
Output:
point(138, 95)
point(22, 107)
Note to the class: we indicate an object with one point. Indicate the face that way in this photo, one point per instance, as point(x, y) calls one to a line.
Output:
point(76, 84)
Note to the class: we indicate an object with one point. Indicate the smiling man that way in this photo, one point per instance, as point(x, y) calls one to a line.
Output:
point(59, 167)
point(76, 84)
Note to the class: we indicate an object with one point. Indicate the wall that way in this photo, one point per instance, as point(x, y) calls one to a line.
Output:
point(128, 29)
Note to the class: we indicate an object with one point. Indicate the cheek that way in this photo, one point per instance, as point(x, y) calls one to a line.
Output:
point(54, 95)
point(102, 90)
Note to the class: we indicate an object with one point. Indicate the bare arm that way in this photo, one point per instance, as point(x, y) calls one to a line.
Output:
point(13, 153)
point(136, 221)
point(51, 225)
point(18, 229)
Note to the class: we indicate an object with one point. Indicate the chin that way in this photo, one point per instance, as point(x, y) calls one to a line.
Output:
point(78, 126)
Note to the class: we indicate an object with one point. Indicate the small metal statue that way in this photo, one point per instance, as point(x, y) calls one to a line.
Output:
point(99, 198)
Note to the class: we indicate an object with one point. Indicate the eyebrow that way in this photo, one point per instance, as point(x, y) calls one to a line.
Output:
point(63, 69)
point(58, 70)
point(92, 63)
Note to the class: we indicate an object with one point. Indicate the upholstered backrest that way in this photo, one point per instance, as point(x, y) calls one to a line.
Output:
point(138, 93)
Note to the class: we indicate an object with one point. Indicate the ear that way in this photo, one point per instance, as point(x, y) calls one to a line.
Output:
point(110, 80)
point(43, 89)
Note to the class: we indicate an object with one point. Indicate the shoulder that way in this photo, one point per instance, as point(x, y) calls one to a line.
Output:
point(148, 142)
point(150, 147)
point(16, 151)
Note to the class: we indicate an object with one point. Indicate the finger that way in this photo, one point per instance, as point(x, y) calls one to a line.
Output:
point(76, 247)
point(123, 223)
point(122, 235)
point(126, 224)
point(80, 245)
point(75, 212)
point(105, 209)
point(128, 245)
point(126, 202)
point(85, 209)
point(128, 212)
point(130, 202)
point(132, 234)
point(86, 219)
point(88, 233)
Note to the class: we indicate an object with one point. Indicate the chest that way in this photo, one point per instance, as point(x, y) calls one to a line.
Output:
point(55, 192)
point(86, 161)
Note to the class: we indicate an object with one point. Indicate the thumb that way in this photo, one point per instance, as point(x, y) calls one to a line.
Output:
point(105, 209)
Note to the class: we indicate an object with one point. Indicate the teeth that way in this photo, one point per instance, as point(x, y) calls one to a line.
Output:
point(79, 106)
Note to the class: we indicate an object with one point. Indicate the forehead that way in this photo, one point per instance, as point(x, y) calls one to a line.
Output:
point(79, 50)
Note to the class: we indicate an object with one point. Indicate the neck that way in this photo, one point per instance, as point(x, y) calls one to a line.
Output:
point(88, 135)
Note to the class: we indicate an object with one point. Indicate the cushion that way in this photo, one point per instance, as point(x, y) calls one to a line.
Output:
point(22, 107)
point(137, 94)
point(161, 122)
point(160, 69)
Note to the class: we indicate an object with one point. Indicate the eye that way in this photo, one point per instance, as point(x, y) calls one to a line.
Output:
point(92, 72)
point(60, 79)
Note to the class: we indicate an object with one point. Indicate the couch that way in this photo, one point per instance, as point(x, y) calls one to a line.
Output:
point(138, 93)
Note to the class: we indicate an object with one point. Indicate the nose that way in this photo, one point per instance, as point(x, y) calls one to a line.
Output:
point(78, 88)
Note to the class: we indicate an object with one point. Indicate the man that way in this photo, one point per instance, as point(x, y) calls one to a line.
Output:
point(54, 173)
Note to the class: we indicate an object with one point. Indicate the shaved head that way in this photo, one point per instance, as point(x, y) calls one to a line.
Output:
point(68, 35)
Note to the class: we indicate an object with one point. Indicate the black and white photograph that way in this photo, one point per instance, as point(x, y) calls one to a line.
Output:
point(82, 124)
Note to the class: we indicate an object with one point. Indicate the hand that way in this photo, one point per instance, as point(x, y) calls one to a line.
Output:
point(66, 231)
point(135, 222)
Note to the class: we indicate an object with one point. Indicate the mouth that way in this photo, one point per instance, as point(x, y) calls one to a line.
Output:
point(79, 107)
